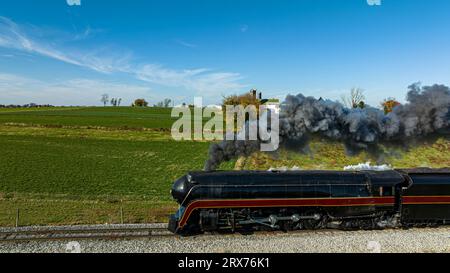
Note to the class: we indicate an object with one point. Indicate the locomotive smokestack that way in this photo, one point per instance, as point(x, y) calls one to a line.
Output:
point(427, 112)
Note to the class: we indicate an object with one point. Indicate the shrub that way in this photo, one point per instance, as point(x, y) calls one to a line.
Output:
point(389, 105)
point(140, 103)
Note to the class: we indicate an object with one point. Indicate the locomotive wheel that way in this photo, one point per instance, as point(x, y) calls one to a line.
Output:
point(312, 223)
point(247, 231)
point(286, 226)
point(361, 224)
point(190, 231)
point(192, 227)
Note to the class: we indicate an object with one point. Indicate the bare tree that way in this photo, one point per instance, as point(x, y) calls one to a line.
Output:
point(164, 104)
point(355, 99)
point(105, 99)
point(167, 103)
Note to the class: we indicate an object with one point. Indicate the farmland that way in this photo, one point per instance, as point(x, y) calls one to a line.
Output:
point(126, 117)
point(76, 165)
point(83, 165)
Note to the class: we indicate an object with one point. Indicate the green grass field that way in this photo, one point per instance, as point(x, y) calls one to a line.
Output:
point(82, 165)
point(91, 116)
point(58, 164)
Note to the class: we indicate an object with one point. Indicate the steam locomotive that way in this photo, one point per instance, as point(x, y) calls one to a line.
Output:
point(245, 201)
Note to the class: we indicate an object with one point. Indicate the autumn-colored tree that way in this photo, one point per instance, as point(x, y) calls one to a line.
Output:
point(140, 103)
point(244, 100)
point(389, 104)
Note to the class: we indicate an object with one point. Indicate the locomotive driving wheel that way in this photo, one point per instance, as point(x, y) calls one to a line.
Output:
point(316, 221)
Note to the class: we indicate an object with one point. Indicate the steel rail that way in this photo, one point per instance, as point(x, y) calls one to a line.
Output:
point(82, 232)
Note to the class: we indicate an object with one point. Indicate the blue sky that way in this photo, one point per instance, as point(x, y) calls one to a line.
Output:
point(52, 52)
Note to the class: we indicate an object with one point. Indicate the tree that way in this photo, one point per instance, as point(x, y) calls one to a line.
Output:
point(116, 102)
point(247, 100)
point(167, 103)
point(164, 104)
point(104, 99)
point(355, 99)
point(389, 104)
point(244, 100)
point(140, 103)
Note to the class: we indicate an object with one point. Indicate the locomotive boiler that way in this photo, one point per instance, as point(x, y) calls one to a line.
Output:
point(229, 201)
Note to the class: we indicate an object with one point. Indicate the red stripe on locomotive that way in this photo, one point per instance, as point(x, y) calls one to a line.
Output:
point(423, 200)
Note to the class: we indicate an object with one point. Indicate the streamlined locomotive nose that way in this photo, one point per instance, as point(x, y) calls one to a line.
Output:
point(180, 189)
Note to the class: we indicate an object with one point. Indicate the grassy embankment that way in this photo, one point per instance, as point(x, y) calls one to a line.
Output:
point(332, 156)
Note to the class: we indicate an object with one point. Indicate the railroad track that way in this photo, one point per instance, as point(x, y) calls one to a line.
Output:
point(83, 232)
point(109, 232)
point(137, 231)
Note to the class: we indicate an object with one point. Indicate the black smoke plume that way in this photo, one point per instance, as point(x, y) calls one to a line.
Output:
point(426, 113)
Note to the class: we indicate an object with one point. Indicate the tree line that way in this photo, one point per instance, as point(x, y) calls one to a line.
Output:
point(30, 105)
point(166, 103)
point(356, 99)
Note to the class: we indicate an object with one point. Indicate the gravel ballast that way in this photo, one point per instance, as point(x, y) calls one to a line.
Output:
point(324, 241)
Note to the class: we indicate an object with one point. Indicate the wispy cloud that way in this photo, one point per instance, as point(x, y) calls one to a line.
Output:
point(88, 32)
point(244, 28)
point(16, 37)
point(16, 89)
point(73, 2)
point(202, 81)
point(184, 43)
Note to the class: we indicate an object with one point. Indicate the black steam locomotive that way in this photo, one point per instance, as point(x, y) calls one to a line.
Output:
point(292, 200)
